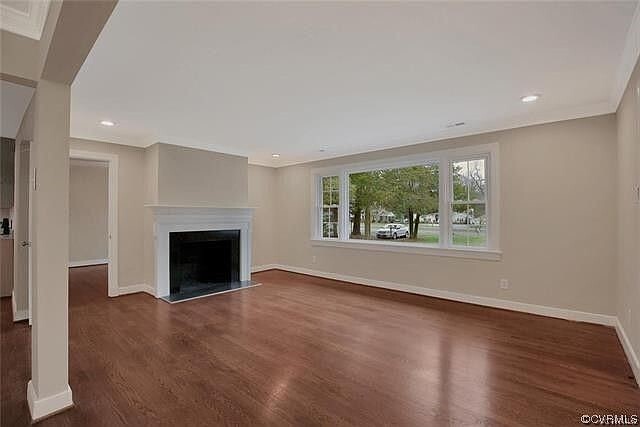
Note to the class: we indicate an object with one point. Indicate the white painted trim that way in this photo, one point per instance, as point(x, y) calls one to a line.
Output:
point(265, 267)
point(132, 289)
point(113, 165)
point(88, 163)
point(175, 209)
point(169, 219)
point(28, 24)
point(634, 361)
point(41, 407)
point(560, 313)
point(409, 160)
point(88, 262)
point(18, 315)
point(630, 55)
point(489, 151)
point(410, 248)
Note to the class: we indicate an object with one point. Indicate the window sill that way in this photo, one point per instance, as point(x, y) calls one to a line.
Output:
point(411, 248)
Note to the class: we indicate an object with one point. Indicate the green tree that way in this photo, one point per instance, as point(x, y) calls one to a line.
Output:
point(411, 191)
point(365, 193)
point(460, 189)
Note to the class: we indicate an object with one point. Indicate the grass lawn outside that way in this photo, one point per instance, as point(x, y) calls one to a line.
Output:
point(430, 234)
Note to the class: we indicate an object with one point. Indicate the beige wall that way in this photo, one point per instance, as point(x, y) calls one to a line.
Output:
point(141, 174)
point(181, 176)
point(19, 58)
point(151, 157)
point(628, 301)
point(558, 226)
point(88, 211)
point(558, 197)
point(50, 239)
point(131, 199)
point(187, 176)
point(262, 197)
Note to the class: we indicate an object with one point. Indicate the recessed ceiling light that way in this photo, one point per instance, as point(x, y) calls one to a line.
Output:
point(107, 123)
point(275, 155)
point(529, 98)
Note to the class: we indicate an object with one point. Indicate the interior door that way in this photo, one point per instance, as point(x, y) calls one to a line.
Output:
point(22, 275)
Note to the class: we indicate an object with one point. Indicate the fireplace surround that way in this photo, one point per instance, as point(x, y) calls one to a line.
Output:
point(209, 236)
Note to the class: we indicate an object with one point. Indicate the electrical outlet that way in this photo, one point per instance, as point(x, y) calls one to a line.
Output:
point(313, 259)
point(504, 284)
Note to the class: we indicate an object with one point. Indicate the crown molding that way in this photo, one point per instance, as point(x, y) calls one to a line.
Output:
point(27, 24)
point(628, 61)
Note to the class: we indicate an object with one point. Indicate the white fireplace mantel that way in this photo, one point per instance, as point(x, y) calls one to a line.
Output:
point(168, 219)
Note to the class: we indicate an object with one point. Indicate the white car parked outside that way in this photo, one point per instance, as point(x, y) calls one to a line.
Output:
point(392, 231)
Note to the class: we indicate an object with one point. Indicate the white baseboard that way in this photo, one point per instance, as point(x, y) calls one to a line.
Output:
point(41, 407)
point(259, 268)
point(634, 362)
point(560, 313)
point(132, 289)
point(88, 262)
point(18, 315)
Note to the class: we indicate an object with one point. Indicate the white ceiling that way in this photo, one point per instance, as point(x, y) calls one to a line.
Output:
point(14, 100)
point(24, 17)
point(297, 78)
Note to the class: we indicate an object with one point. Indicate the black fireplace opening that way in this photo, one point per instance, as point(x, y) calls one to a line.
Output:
point(201, 261)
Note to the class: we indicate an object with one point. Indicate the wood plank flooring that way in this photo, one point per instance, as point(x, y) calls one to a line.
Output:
point(306, 351)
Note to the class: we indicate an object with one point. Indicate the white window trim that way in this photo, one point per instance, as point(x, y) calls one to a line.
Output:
point(444, 157)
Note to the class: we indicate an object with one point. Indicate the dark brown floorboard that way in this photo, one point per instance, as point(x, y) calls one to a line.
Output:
point(307, 351)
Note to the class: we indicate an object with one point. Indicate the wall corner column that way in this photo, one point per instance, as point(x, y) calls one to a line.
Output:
point(48, 391)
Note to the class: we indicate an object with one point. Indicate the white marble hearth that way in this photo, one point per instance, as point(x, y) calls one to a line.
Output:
point(167, 219)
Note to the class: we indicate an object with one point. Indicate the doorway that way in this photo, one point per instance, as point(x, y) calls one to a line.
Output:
point(110, 162)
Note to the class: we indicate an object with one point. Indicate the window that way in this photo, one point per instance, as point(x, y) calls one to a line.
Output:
point(469, 203)
point(395, 204)
point(444, 200)
point(330, 206)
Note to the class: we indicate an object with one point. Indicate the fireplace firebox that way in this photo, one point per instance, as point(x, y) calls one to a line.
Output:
point(203, 258)
point(203, 263)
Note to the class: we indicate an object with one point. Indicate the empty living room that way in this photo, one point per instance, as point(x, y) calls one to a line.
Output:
point(319, 213)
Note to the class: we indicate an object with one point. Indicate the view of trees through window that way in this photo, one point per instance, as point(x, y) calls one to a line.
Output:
point(469, 208)
point(403, 204)
point(440, 200)
point(395, 204)
point(330, 206)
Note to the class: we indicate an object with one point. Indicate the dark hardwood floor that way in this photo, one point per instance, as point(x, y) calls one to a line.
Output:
point(306, 351)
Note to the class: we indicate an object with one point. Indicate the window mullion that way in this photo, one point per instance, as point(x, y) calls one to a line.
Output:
point(318, 208)
point(444, 202)
point(343, 210)
point(487, 204)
